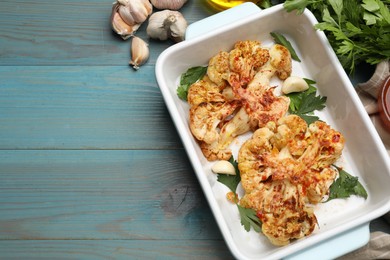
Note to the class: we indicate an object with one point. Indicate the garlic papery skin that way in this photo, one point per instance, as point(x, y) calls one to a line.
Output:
point(178, 29)
point(134, 11)
point(128, 15)
point(167, 24)
point(139, 52)
point(122, 28)
point(168, 4)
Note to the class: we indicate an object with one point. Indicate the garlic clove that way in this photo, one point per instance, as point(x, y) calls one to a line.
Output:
point(122, 28)
point(127, 16)
point(156, 28)
point(138, 10)
point(178, 29)
point(167, 24)
point(223, 167)
point(168, 4)
point(294, 84)
point(139, 52)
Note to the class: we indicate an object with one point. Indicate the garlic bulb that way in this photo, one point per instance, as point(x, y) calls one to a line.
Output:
point(128, 15)
point(168, 4)
point(139, 52)
point(167, 24)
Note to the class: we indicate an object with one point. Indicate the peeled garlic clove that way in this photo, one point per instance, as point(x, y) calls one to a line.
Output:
point(294, 84)
point(168, 4)
point(223, 167)
point(139, 52)
point(167, 24)
point(128, 15)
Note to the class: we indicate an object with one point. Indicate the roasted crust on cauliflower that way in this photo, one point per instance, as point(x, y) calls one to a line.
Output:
point(246, 58)
point(281, 60)
point(235, 96)
point(218, 69)
point(205, 91)
point(282, 211)
point(297, 159)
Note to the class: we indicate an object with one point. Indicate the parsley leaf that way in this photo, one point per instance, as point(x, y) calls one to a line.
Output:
point(305, 103)
point(345, 186)
point(358, 31)
point(280, 39)
point(311, 102)
point(248, 216)
point(231, 181)
point(188, 78)
point(249, 219)
point(298, 5)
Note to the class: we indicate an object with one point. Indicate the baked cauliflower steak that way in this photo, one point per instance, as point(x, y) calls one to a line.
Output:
point(286, 167)
point(235, 95)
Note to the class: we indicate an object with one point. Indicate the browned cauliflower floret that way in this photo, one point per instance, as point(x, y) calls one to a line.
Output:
point(204, 91)
point(218, 69)
point(263, 105)
point(291, 133)
point(298, 158)
point(224, 106)
point(250, 158)
point(282, 211)
point(259, 98)
point(326, 147)
point(206, 118)
point(218, 150)
point(279, 63)
point(281, 60)
point(245, 60)
point(316, 184)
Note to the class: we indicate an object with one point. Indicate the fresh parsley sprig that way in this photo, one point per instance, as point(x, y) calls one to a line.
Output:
point(249, 219)
point(359, 31)
point(248, 216)
point(280, 39)
point(189, 77)
point(305, 103)
point(345, 186)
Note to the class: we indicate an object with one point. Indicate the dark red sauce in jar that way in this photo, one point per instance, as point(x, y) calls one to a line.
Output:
point(384, 103)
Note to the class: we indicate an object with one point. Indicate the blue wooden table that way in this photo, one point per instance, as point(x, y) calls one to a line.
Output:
point(91, 165)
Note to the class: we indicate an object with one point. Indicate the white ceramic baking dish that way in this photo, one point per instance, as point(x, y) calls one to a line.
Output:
point(343, 224)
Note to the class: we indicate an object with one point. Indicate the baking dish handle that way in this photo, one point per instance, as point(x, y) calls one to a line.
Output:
point(220, 19)
point(336, 246)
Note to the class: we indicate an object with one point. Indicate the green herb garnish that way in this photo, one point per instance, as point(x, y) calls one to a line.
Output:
point(231, 181)
point(249, 219)
point(280, 39)
point(305, 103)
point(345, 186)
point(248, 216)
point(359, 31)
point(188, 78)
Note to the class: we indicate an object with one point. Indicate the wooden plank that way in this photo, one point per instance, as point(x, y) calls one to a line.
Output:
point(63, 107)
point(115, 249)
point(102, 194)
point(71, 32)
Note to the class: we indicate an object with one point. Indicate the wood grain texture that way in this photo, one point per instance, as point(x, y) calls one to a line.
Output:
point(115, 249)
point(71, 32)
point(83, 107)
point(104, 194)
point(91, 165)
